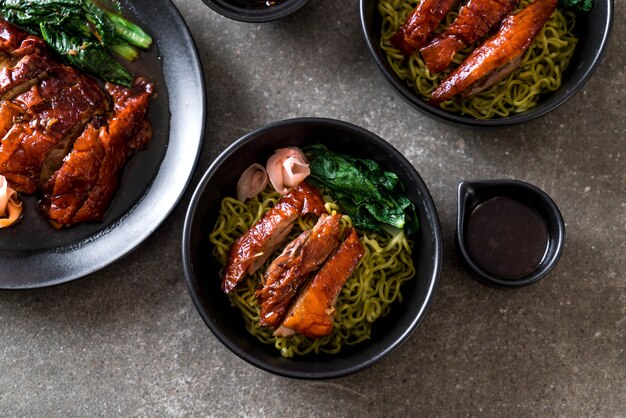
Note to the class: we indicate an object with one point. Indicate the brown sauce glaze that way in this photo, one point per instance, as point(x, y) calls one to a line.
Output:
point(506, 238)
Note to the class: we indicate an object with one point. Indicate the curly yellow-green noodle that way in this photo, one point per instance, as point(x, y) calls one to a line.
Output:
point(366, 296)
point(539, 73)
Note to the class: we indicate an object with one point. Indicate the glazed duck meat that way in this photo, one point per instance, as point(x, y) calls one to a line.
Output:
point(312, 312)
point(82, 188)
point(250, 251)
point(45, 120)
point(290, 270)
point(59, 135)
point(420, 24)
point(498, 56)
point(44, 107)
point(475, 20)
point(24, 60)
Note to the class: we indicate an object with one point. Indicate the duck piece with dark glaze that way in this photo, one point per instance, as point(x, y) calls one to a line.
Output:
point(312, 313)
point(83, 187)
point(255, 246)
point(498, 56)
point(475, 20)
point(24, 60)
point(420, 24)
point(293, 267)
point(55, 111)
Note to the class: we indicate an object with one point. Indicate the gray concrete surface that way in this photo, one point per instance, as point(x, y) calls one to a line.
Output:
point(127, 341)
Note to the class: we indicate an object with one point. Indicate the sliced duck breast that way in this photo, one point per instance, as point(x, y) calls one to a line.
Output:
point(250, 251)
point(312, 312)
point(292, 268)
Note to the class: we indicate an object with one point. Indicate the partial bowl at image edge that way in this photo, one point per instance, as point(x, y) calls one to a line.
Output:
point(589, 52)
point(233, 9)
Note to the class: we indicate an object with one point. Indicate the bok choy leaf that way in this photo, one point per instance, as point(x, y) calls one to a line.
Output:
point(371, 196)
point(83, 33)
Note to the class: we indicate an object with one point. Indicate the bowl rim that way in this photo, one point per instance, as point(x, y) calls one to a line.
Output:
point(419, 315)
point(255, 15)
point(460, 120)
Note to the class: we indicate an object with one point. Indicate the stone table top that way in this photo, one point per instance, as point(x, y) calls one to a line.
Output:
point(127, 340)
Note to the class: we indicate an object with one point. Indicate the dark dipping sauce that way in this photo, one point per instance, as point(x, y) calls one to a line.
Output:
point(505, 238)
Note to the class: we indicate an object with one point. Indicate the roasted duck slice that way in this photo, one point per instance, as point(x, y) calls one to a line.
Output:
point(10, 113)
point(55, 112)
point(420, 24)
point(22, 153)
point(68, 188)
point(256, 245)
point(312, 313)
point(29, 70)
point(475, 20)
point(289, 271)
point(12, 38)
point(82, 188)
point(24, 60)
point(498, 56)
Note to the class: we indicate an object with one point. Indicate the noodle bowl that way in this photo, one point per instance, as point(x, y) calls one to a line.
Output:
point(539, 73)
point(366, 296)
point(592, 30)
point(202, 270)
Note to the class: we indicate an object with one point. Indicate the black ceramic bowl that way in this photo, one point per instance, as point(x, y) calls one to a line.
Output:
point(471, 194)
point(592, 30)
point(202, 270)
point(255, 11)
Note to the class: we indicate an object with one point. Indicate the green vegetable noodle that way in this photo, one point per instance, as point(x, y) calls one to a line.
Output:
point(366, 296)
point(82, 33)
point(539, 73)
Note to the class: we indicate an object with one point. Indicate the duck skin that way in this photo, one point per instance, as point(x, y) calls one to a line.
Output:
point(475, 20)
point(312, 313)
point(9, 114)
point(58, 135)
point(82, 188)
point(24, 60)
point(420, 24)
point(45, 105)
point(54, 113)
point(291, 269)
point(498, 56)
point(250, 251)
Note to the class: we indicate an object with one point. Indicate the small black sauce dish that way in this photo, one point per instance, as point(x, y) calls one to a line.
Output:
point(255, 11)
point(509, 233)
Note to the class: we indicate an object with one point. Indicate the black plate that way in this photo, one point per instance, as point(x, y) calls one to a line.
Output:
point(33, 254)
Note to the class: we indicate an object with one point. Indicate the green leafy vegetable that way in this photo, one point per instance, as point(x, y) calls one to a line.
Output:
point(370, 195)
point(89, 56)
point(583, 5)
point(82, 33)
point(129, 32)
